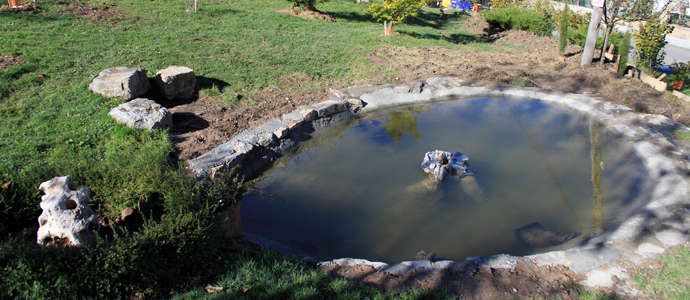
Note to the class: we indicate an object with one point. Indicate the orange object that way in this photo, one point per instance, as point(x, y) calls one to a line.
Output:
point(389, 31)
point(14, 3)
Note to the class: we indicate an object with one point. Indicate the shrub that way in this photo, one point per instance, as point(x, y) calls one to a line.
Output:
point(578, 36)
point(161, 257)
point(563, 31)
point(624, 51)
point(307, 3)
point(514, 18)
point(650, 40)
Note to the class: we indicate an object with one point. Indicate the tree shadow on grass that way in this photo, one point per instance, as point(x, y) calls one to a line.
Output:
point(455, 38)
point(351, 16)
point(434, 20)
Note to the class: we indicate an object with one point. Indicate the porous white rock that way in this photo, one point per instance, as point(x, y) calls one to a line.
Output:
point(121, 82)
point(176, 82)
point(142, 113)
point(66, 219)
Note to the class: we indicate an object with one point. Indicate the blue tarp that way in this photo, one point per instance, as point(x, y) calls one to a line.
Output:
point(468, 5)
point(665, 69)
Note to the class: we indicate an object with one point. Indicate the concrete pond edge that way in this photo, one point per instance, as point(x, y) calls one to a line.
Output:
point(604, 260)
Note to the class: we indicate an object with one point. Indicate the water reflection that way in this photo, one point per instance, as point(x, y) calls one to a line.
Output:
point(400, 122)
point(597, 165)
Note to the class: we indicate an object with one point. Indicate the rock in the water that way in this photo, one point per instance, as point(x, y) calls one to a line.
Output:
point(423, 255)
point(441, 163)
point(142, 113)
point(536, 236)
point(121, 82)
point(176, 82)
point(66, 219)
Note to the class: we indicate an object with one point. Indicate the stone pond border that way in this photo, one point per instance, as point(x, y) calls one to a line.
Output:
point(604, 260)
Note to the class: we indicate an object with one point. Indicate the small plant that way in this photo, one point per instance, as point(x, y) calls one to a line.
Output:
point(394, 11)
point(563, 31)
point(650, 40)
point(521, 81)
point(681, 71)
point(624, 52)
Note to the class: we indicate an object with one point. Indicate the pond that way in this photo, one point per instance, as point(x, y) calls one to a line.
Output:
point(547, 178)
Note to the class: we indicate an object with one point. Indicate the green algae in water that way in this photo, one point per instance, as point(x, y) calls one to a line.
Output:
point(357, 189)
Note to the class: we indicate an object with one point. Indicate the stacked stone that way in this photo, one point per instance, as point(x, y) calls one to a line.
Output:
point(174, 82)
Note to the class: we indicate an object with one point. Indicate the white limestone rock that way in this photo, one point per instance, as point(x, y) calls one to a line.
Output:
point(142, 113)
point(441, 163)
point(121, 82)
point(176, 82)
point(66, 219)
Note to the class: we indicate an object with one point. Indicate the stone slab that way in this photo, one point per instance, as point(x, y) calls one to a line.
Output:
point(143, 114)
point(122, 82)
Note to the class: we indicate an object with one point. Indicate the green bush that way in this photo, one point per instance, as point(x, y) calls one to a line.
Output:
point(306, 3)
point(162, 256)
point(515, 18)
point(624, 51)
point(578, 36)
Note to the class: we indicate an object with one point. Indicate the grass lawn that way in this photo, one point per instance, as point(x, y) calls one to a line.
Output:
point(51, 125)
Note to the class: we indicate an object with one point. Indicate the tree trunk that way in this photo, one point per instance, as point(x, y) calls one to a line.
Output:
point(606, 41)
point(592, 34)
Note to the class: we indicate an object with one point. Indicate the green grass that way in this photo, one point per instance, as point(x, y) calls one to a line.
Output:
point(673, 280)
point(51, 125)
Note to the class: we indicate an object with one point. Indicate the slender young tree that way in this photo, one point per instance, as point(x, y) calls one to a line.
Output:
point(563, 31)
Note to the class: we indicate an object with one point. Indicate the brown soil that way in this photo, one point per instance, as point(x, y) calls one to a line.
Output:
point(23, 8)
point(6, 61)
point(94, 13)
point(307, 14)
point(525, 281)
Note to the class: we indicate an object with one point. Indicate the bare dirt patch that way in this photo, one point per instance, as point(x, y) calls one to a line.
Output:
point(6, 61)
point(25, 8)
point(108, 13)
point(524, 281)
point(307, 14)
point(208, 122)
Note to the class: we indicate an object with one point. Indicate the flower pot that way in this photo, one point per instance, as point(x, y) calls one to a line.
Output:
point(389, 31)
point(678, 84)
point(14, 3)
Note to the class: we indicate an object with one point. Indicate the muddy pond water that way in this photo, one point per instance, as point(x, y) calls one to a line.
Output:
point(547, 178)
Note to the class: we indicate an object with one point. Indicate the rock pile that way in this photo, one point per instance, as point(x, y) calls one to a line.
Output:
point(174, 82)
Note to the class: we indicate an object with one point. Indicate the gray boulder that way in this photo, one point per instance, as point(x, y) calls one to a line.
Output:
point(121, 82)
point(176, 82)
point(142, 113)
